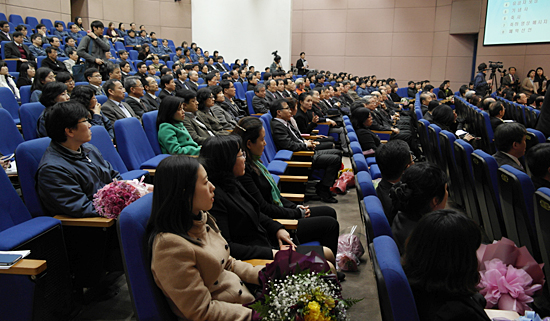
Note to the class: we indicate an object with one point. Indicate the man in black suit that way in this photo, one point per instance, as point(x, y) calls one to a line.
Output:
point(181, 79)
point(16, 49)
point(193, 81)
point(5, 31)
point(229, 104)
point(496, 111)
point(142, 72)
point(425, 99)
point(114, 108)
point(286, 136)
point(302, 64)
point(220, 66)
point(51, 62)
point(510, 143)
point(290, 88)
point(134, 88)
point(511, 80)
point(168, 86)
point(150, 91)
point(271, 92)
point(259, 103)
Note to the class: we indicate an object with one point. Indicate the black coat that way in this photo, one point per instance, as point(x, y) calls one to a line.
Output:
point(367, 139)
point(284, 139)
point(304, 121)
point(441, 307)
point(11, 51)
point(250, 233)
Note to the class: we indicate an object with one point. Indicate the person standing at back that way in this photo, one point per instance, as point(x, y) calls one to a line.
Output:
point(94, 46)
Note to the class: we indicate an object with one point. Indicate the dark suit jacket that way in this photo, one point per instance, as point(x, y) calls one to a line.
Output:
point(367, 139)
point(544, 119)
point(260, 105)
point(114, 113)
point(221, 67)
point(249, 232)
point(57, 66)
point(304, 121)
point(269, 96)
point(495, 122)
point(138, 108)
point(383, 192)
point(284, 139)
point(194, 87)
point(380, 120)
point(300, 66)
point(509, 82)
point(181, 85)
point(11, 51)
point(3, 37)
point(197, 132)
point(503, 159)
point(163, 93)
point(153, 103)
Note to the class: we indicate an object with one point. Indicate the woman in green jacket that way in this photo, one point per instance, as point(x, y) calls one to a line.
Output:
point(172, 135)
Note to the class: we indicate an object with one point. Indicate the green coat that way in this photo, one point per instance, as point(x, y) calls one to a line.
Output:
point(175, 139)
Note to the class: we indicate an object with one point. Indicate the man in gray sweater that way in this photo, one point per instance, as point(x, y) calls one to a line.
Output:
point(94, 46)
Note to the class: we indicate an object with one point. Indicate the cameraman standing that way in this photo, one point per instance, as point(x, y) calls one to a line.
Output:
point(482, 86)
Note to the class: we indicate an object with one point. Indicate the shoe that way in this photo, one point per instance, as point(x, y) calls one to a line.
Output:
point(328, 199)
point(341, 276)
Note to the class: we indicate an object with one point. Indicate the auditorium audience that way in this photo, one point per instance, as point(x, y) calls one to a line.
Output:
point(173, 137)
point(134, 88)
point(151, 86)
point(225, 119)
point(55, 43)
point(43, 76)
point(67, 79)
point(168, 87)
point(496, 112)
point(206, 100)
point(86, 96)
point(16, 49)
point(185, 244)
point(51, 61)
point(422, 189)
point(93, 77)
point(259, 102)
point(442, 268)
point(510, 142)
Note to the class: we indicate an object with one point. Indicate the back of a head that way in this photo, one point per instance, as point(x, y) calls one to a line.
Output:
point(187, 95)
point(393, 158)
point(419, 185)
point(50, 92)
point(433, 104)
point(83, 94)
point(443, 114)
point(495, 108)
point(63, 115)
point(440, 254)
point(218, 156)
point(538, 160)
point(359, 116)
point(507, 134)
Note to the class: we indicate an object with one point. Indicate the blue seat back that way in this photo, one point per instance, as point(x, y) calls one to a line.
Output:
point(29, 113)
point(378, 219)
point(25, 93)
point(16, 20)
point(402, 92)
point(150, 127)
point(133, 145)
point(403, 306)
point(240, 92)
point(31, 21)
point(149, 302)
point(101, 99)
point(270, 149)
point(10, 137)
point(360, 163)
point(48, 23)
point(538, 134)
point(102, 140)
point(418, 112)
point(516, 197)
point(352, 137)
point(355, 147)
point(12, 208)
point(364, 180)
point(433, 136)
point(249, 95)
point(201, 86)
point(9, 103)
point(28, 155)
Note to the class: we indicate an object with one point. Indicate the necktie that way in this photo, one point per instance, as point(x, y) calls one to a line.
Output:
point(143, 105)
point(292, 131)
point(124, 110)
point(9, 85)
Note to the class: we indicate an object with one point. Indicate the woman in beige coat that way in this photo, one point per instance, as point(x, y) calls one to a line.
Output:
point(190, 258)
point(527, 84)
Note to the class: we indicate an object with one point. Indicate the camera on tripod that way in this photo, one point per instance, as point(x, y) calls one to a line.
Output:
point(494, 65)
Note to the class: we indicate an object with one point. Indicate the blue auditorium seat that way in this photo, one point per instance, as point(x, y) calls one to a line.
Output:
point(542, 222)
point(363, 182)
point(9, 103)
point(379, 221)
point(16, 20)
point(10, 136)
point(25, 94)
point(29, 113)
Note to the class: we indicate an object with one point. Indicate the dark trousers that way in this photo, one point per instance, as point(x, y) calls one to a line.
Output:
point(323, 229)
point(330, 160)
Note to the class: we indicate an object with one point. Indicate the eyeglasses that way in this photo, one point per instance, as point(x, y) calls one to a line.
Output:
point(285, 108)
point(84, 121)
point(96, 76)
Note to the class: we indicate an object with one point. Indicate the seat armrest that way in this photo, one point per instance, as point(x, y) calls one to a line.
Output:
point(303, 153)
point(26, 267)
point(315, 131)
point(299, 164)
point(294, 179)
point(151, 171)
point(288, 224)
point(85, 221)
point(256, 262)
point(293, 197)
point(388, 132)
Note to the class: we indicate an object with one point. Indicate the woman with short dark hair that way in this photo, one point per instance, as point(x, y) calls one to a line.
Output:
point(43, 76)
point(422, 189)
point(361, 119)
point(186, 247)
point(54, 92)
point(441, 264)
point(86, 96)
point(444, 90)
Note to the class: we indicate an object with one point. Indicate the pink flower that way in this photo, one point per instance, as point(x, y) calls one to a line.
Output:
point(110, 200)
point(507, 287)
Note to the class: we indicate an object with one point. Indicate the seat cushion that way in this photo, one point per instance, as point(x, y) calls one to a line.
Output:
point(277, 167)
point(153, 162)
point(135, 174)
point(18, 234)
point(283, 154)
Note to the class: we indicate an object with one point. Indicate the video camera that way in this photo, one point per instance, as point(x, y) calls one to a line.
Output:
point(495, 65)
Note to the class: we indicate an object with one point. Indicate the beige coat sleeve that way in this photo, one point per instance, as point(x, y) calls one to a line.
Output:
point(174, 271)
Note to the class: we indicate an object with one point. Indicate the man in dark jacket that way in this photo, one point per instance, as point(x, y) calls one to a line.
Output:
point(16, 49)
point(510, 142)
point(94, 46)
point(285, 136)
point(71, 170)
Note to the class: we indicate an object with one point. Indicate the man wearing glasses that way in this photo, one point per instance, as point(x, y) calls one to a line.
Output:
point(71, 170)
point(94, 78)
